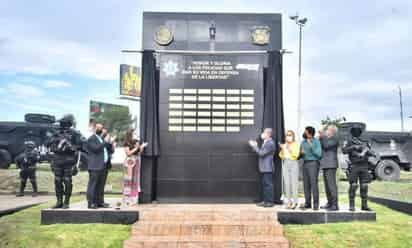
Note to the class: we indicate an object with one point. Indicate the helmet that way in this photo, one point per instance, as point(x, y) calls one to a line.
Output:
point(67, 121)
point(356, 130)
point(29, 145)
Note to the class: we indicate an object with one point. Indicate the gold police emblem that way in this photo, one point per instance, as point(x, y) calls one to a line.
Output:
point(261, 35)
point(163, 36)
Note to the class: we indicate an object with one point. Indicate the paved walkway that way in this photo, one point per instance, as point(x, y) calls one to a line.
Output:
point(11, 203)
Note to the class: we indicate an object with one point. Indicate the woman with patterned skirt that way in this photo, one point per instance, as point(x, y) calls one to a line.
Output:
point(131, 178)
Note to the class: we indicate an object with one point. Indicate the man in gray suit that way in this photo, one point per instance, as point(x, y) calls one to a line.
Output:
point(266, 153)
point(329, 164)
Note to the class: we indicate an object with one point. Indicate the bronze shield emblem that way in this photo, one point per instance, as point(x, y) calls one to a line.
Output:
point(163, 36)
point(261, 35)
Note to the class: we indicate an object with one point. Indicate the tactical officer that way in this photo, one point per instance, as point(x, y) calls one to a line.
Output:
point(65, 147)
point(358, 151)
point(26, 162)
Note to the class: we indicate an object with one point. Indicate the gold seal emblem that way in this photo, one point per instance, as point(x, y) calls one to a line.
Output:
point(261, 35)
point(163, 36)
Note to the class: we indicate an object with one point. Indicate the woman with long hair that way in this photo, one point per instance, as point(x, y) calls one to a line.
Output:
point(131, 180)
point(290, 167)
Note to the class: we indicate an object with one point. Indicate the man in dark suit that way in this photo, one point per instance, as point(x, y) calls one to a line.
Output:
point(98, 156)
point(266, 153)
point(329, 165)
point(110, 145)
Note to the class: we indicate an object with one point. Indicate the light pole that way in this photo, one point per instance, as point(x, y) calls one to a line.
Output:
point(301, 23)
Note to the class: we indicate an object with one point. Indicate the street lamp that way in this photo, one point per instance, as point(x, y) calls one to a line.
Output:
point(300, 22)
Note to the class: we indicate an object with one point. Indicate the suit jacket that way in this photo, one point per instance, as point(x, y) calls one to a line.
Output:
point(95, 155)
point(330, 152)
point(266, 153)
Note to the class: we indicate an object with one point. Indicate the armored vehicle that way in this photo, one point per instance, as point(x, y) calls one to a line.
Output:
point(35, 127)
point(393, 149)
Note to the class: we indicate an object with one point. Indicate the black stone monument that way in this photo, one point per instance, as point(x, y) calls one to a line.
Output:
point(210, 82)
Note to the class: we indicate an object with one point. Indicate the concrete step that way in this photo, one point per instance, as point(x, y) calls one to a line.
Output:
point(221, 215)
point(202, 228)
point(206, 225)
point(206, 242)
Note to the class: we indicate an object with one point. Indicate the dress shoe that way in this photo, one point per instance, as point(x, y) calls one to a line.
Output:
point(315, 208)
point(333, 208)
point(92, 206)
point(104, 205)
point(268, 205)
point(326, 206)
point(305, 206)
point(34, 194)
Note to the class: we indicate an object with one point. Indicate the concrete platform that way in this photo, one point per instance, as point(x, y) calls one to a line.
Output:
point(323, 216)
point(78, 213)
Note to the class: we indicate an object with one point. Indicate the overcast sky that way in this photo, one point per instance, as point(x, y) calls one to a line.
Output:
point(57, 55)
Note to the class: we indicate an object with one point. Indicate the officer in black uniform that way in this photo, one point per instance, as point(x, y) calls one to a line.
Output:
point(65, 147)
point(26, 162)
point(359, 152)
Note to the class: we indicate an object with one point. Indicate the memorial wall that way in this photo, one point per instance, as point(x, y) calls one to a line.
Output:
point(210, 104)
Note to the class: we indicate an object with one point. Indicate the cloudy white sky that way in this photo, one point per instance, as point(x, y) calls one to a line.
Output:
point(57, 55)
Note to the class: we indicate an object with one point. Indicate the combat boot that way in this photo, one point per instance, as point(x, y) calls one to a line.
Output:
point(352, 204)
point(364, 196)
point(66, 203)
point(59, 203)
point(352, 195)
point(34, 186)
point(22, 186)
point(365, 205)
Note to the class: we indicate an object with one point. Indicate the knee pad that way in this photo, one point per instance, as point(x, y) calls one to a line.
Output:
point(67, 180)
point(58, 172)
point(353, 185)
point(67, 172)
point(352, 190)
point(364, 190)
point(58, 179)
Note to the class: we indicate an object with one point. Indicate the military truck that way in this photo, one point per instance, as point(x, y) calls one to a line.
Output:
point(394, 150)
point(36, 127)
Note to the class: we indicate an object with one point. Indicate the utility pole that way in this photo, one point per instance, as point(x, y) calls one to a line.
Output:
point(300, 22)
point(401, 106)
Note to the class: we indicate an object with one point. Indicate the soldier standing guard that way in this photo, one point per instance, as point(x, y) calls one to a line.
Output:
point(26, 162)
point(359, 152)
point(65, 146)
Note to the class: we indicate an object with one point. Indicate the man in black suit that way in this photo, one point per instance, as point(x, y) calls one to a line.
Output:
point(110, 145)
point(98, 156)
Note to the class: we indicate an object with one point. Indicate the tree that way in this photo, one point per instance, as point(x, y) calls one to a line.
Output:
point(117, 120)
point(329, 121)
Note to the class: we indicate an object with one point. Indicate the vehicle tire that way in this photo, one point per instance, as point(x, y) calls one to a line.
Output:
point(388, 170)
point(5, 159)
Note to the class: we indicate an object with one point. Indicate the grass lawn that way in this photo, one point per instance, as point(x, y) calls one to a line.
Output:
point(401, 190)
point(392, 229)
point(23, 229)
point(9, 180)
